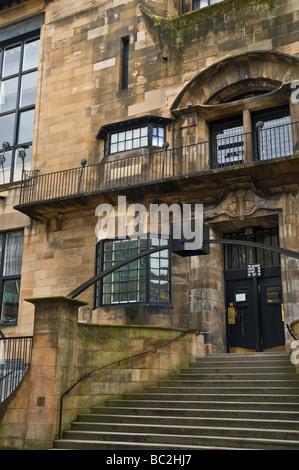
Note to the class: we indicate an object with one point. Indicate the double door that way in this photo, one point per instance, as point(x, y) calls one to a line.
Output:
point(255, 317)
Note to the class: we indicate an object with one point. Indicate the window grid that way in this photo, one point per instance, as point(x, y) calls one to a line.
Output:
point(239, 256)
point(150, 135)
point(143, 280)
point(11, 251)
point(18, 81)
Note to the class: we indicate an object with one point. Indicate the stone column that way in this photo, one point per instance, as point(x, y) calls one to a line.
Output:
point(32, 416)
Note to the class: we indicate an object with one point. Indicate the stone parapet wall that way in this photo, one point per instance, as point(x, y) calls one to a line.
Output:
point(64, 351)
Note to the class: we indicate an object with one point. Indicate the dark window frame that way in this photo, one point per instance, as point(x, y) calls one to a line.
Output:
point(225, 124)
point(148, 297)
point(148, 137)
point(4, 278)
point(125, 48)
point(237, 257)
point(16, 112)
point(262, 149)
point(149, 121)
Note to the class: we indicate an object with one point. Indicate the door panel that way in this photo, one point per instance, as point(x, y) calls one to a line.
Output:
point(255, 313)
point(271, 312)
point(239, 296)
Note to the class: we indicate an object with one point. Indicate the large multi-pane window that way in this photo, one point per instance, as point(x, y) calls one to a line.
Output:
point(271, 137)
point(11, 252)
point(239, 256)
point(18, 81)
point(145, 280)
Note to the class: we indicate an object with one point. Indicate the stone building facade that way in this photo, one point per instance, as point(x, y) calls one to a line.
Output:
point(105, 85)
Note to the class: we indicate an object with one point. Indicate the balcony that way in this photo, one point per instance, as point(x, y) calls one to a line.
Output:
point(207, 162)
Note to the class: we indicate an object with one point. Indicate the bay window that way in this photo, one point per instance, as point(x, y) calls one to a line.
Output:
point(146, 131)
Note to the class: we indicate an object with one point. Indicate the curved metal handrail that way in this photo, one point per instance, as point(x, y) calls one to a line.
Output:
point(291, 332)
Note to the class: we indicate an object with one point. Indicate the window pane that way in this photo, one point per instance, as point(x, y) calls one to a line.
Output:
point(11, 63)
point(136, 133)
point(13, 254)
point(7, 125)
point(228, 143)
point(26, 126)
point(28, 89)
point(31, 53)
point(8, 94)
point(10, 301)
point(143, 131)
point(5, 167)
point(273, 294)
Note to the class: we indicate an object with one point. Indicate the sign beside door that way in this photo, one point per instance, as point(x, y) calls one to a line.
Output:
point(254, 270)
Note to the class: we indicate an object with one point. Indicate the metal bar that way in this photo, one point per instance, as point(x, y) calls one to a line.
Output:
point(113, 268)
point(17, 354)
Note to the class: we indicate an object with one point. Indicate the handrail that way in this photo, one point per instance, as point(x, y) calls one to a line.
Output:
point(85, 376)
point(291, 332)
point(16, 354)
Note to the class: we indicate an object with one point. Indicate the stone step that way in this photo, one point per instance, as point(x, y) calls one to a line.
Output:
point(207, 404)
point(224, 391)
point(199, 412)
point(245, 356)
point(178, 421)
point(234, 376)
point(226, 401)
point(183, 440)
point(192, 382)
point(195, 396)
point(238, 369)
point(210, 430)
point(71, 444)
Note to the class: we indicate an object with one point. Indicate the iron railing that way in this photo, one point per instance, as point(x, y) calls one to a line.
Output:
point(224, 151)
point(15, 359)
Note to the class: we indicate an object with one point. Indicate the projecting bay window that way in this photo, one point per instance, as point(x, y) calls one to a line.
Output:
point(138, 137)
point(145, 280)
point(11, 251)
point(146, 131)
point(18, 82)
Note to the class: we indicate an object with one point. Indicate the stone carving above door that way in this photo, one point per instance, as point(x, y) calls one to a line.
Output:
point(240, 204)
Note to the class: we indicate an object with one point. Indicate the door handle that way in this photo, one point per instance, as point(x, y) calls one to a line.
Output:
point(282, 313)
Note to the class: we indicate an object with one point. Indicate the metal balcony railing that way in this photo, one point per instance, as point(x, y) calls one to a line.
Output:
point(15, 358)
point(260, 145)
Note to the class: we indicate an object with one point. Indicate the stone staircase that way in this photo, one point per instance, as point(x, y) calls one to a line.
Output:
point(224, 401)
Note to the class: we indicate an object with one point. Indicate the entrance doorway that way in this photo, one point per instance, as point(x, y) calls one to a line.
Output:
point(255, 318)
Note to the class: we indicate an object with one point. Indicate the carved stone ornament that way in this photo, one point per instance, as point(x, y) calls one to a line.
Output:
point(240, 204)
